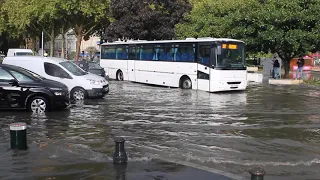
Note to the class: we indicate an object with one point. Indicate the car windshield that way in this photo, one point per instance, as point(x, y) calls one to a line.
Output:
point(74, 69)
point(93, 65)
point(231, 56)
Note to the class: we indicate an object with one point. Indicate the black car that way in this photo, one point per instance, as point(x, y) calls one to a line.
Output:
point(93, 68)
point(24, 89)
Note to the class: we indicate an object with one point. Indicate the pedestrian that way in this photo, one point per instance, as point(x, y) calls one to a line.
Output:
point(300, 64)
point(276, 69)
point(83, 64)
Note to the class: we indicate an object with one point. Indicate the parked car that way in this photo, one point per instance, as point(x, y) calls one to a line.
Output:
point(81, 84)
point(23, 89)
point(94, 68)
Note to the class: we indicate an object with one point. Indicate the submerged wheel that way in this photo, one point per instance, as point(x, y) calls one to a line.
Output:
point(119, 76)
point(78, 94)
point(186, 83)
point(38, 104)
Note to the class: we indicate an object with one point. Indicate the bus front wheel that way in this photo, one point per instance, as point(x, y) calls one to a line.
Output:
point(119, 75)
point(186, 83)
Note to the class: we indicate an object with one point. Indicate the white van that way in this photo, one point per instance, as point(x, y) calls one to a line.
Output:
point(81, 84)
point(19, 52)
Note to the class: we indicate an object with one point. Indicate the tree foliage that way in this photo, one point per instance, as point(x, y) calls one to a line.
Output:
point(149, 19)
point(29, 18)
point(2, 18)
point(87, 16)
point(289, 28)
point(92, 51)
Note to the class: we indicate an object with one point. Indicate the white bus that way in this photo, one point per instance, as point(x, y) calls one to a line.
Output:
point(208, 64)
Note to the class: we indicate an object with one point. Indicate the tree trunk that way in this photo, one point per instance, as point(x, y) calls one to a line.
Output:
point(63, 45)
point(34, 39)
point(52, 42)
point(40, 41)
point(286, 65)
point(79, 39)
point(26, 39)
point(64, 51)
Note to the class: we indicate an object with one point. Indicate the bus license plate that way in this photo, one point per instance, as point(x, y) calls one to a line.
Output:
point(234, 85)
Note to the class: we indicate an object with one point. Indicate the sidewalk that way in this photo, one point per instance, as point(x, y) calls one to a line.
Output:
point(315, 70)
point(160, 170)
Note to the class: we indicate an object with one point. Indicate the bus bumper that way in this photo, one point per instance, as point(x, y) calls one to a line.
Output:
point(218, 86)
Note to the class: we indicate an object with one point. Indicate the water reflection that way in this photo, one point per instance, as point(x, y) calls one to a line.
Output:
point(272, 126)
point(120, 171)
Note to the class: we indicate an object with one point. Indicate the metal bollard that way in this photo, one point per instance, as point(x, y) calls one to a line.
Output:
point(119, 155)
point(18, 136)
point(257, 173)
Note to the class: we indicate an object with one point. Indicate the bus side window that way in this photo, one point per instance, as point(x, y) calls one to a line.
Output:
point(184, 52)
point(204, 54)
point(132, 53)
point(157, 50)
point(121, 53)
point(108, 52)
point(138, 53)
point(165, 53)
point(147, 52)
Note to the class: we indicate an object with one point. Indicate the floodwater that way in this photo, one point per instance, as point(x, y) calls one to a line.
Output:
point(274, 127)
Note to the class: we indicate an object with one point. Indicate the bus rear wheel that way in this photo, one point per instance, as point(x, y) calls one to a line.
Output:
point(119, 75)
point(186, 83)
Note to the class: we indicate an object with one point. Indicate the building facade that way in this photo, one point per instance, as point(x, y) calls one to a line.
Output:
point(71, 44)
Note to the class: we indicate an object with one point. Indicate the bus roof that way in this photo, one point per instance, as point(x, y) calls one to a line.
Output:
point(190, 40)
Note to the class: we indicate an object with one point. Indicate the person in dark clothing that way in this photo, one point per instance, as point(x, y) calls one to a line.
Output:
point(276, 69)
point(300, 64)
point(83, 64)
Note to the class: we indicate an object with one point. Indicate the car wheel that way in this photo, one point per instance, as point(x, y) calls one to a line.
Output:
point(78, 94)
point(38, 104)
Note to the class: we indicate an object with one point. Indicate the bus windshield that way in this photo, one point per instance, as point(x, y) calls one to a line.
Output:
point(230, 56)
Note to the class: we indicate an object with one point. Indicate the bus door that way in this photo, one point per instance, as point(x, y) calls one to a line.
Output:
point(131, 62)
point(204, 64)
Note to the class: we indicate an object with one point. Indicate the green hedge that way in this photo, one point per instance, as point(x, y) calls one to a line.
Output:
point(312, 82)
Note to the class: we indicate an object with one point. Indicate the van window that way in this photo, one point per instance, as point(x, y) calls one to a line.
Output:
point(74, 69)
point(54, 70)
point(23, 54)
point(4, 75)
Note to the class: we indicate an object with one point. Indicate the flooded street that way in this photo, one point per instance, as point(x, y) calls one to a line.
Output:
point(275, 127)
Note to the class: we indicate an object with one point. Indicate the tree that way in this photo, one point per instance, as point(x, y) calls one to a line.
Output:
point(149, 19)
point(92, 51)
point(33, 16)
point(87, 17)
point(288, 28)
point(2, 18)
